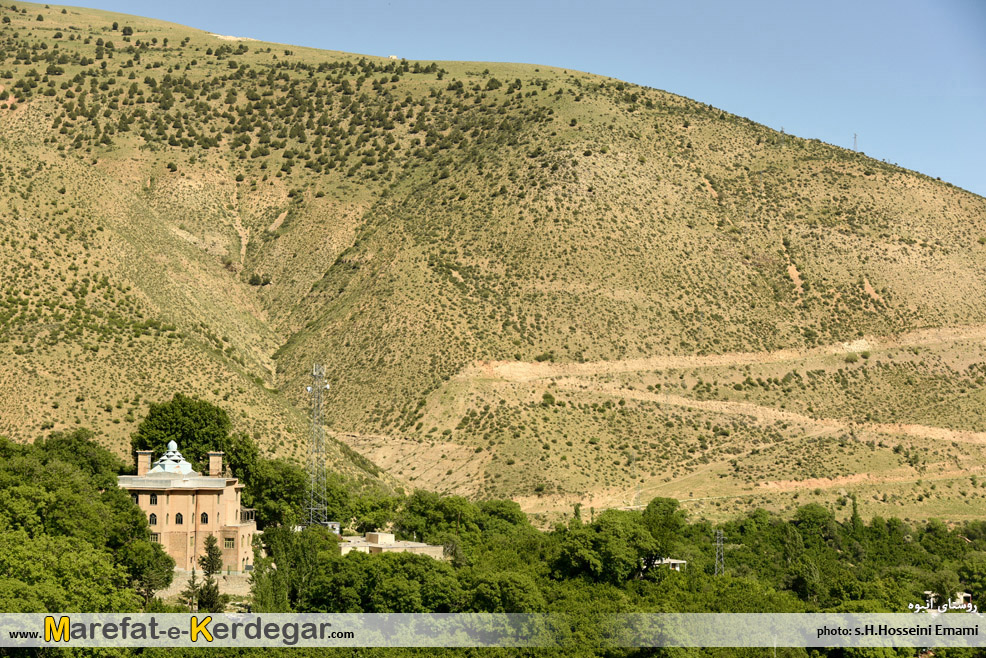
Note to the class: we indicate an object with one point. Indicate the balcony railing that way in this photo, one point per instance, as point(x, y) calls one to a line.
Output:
point(247, 514)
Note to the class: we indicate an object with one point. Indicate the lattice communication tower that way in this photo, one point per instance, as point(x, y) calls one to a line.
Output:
point(720, 555)
point(317, 497)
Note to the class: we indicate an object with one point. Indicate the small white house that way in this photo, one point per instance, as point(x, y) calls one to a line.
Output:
point(674, 565)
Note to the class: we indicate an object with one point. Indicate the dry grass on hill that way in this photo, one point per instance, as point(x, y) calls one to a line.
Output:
point(727, 314)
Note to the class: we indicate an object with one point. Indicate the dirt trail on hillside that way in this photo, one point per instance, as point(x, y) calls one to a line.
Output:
point(862, 479)
point(522, 371)
point(770, 415)
point(276, 224)
point(244, 234)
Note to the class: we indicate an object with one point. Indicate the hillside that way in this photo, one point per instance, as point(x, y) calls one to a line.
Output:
point(524, 282)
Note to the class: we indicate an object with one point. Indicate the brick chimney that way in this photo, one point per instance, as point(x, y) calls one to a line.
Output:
point(143, 461)
point(215, 464)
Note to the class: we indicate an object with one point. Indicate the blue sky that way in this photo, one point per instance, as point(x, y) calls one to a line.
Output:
point(908, 77)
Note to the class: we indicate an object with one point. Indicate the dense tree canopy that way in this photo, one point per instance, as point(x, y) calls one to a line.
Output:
point(70, 539)
point(197, 426)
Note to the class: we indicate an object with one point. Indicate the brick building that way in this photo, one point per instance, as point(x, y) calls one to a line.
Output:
point(184, 507)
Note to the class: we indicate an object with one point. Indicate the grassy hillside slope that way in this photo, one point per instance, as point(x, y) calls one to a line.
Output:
point(524, 281)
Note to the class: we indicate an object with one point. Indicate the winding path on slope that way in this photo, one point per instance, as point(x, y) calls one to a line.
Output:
point(523, 371)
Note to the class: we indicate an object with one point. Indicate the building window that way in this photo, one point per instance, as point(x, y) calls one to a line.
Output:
point(153, 499)
point(205, 518)
point(178, 519)
point(152, 519)
point(135, 498)
point(229, 542)
point(155, 537)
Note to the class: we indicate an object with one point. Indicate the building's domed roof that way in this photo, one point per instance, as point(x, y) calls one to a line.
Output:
point(172, 463)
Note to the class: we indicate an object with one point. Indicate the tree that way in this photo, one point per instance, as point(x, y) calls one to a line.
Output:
point(212, 560)
point(665, 520)
point(190, 595)
point(278, 490)
point(506, 592)
point(79, 448)
point(198, 427)
point(127, 31)
point(149, 567)
point(210, 600)
point(281, 580)
point(47, 573)
point(972, 573)
point(211, 563)
point(116, 26)
point(613, 549)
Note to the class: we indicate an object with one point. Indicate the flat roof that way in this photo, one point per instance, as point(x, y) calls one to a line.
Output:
point(362, 541)
point(170, 481)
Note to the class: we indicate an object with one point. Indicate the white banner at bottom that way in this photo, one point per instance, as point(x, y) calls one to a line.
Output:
point(923, 630)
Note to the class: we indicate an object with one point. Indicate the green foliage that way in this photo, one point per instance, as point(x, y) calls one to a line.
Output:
point(665, 520)
point(198, 427)
point(70, 539)
point(189, 596)
point(431, 517)
point(613, 549)
point(391, 582)
point(211, 561)
point(282, 578)
point(278, 490)
point(209, 598)
point(149, 567)
point(504, 592)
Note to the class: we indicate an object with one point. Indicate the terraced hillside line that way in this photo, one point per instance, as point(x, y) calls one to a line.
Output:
point(770, 415)
point(841, 482)
point(863, 479)
point(523, 371)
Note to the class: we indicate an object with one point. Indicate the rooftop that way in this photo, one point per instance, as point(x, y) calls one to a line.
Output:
point(363, 541)
point(172, 463)
point(172, 471)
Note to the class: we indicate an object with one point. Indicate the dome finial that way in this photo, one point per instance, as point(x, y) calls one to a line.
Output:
point(172, 445)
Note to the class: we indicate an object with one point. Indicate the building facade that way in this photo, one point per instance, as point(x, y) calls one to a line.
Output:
point(375, 543)
point(183, 507)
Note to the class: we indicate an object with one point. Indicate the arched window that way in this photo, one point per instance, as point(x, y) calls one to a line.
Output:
point(152, 519)
point(153, 499)
point(178, 519)
point(205, 518)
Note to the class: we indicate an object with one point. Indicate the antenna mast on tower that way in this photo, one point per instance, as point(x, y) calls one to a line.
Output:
point(317, 498)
